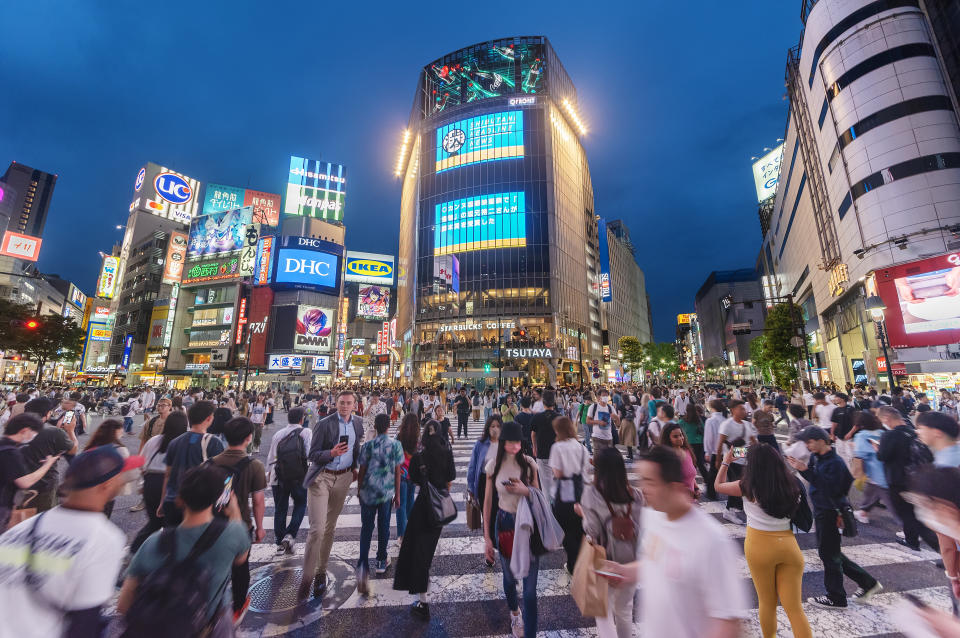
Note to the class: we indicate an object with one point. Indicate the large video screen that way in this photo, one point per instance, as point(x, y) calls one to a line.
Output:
point(374, 302)
point(308, 269)
point(219, 232)
point(315, 189)
point(923, 301)
point(477, 223)
point(482, 73)
point(484, 138)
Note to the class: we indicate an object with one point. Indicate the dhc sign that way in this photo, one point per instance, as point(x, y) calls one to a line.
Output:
point(369, 268)
point(173, 188)
point(308, 269)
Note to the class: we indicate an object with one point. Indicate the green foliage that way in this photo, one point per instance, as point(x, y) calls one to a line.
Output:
point(12, 316)
point(772, 352)
point(631, 351)
point(661, 356)
point(56, 338)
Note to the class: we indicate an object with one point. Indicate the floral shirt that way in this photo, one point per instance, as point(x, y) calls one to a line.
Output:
point(381, 456)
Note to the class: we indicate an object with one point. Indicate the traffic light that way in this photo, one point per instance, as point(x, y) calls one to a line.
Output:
point(486, 368)
point(31, 324)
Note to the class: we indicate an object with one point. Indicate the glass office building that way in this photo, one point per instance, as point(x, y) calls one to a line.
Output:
point(498, 233)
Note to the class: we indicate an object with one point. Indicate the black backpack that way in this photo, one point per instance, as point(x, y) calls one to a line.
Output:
point(919, 454)
point(172, 600)
point(291, 464)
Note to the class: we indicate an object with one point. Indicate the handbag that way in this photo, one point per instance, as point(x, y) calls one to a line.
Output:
point(473, 514)
point(802, 517)
point(505, 543)
point(440, 506)
point(588, 589)
point(21, 512)
point(846, 521)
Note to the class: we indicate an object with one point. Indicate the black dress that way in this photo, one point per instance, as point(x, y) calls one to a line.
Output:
point(420, 540)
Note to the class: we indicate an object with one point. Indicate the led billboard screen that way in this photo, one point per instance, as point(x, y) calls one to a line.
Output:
point(220, 232)
point(485, 138)
point(477, 223)
point(315, 189)
point(374, 302)
point(308, 263)
point(314, 329)
point(294, 363)
point(369, 268)
point(604, 245)
point(766, 173)
point(220, 198)
point(107, 282)
point(212, 270)
point(176, 256)
point(923, 301)
point(166, 193)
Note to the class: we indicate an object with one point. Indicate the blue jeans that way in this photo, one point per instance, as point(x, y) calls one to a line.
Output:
point(407, 493)
point(281, 495)
point(505, 521)
point(486, 414)
point(128, 424)
point(367, 513)
point(587, 433)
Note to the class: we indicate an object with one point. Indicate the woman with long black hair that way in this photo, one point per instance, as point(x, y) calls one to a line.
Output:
point(510, 476)
point(153, 471)
point(693, 428)
point(674, 438)
point(434, 463)
point(771, 496)
point(484, 451)
point(409, 436)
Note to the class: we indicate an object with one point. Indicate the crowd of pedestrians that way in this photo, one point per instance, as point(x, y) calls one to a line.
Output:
point(547, 473)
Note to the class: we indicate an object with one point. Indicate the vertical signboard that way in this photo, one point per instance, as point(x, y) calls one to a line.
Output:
point(176, 256)
point(261, 300)
point(248, 254)
point(107, 282)
point(127, 347)
point(263, 261)
point(605, 292)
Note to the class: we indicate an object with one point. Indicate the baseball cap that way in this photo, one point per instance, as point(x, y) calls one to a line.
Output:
point(96, 466)
point(813, 433)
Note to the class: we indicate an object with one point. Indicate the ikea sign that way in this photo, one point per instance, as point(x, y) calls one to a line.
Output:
point(369, 268)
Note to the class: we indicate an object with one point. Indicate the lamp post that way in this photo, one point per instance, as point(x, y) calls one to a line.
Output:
point(876, 307)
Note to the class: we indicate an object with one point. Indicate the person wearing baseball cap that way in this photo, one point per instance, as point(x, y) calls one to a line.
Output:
point(939, 432)
point(63, 564)
point(830, 481)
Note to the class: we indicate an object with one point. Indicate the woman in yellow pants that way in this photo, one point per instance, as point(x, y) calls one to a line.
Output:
point(770, 497)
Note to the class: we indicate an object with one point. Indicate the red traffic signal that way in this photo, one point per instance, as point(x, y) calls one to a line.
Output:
point(31, 324)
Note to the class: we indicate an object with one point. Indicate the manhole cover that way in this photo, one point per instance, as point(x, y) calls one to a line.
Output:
point(276, 592)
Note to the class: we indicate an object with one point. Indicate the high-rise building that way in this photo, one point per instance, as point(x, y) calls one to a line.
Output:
point(944, 17)
point(25, 195)
point(498, 256)
point(627, 313)
point(867, 196)
point(729, 298)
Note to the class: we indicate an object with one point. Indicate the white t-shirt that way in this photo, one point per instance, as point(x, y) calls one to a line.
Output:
point(154, 458)
point(760, 520)
point(305, 433)
point(823, 414)
point(537, 407)
point(601, 413)
point(807, 398)
point(689, 575)
point(569, 457)
point(733, 430)
point(81, 556)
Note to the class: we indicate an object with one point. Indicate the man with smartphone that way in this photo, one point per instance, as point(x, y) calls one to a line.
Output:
point(53, 439)
point(735, 432)
point(334, 450)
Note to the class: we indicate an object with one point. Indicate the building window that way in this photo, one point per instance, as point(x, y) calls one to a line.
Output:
point(823, 113)
point(879, 60)
point(906, 169)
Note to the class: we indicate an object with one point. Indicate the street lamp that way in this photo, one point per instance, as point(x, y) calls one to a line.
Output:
point(876, 307)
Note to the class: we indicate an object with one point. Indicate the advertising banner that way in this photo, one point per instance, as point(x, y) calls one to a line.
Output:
point(248, 254)
point(766, 173)
point(20, 246)
point(158, 325)
point(127, 347)
point(263, 261)
point(374, 302)
point(313, 329)
point(315, 189)
point(176, 256)
point(76, 296)
point(484, 138)
point(107, 282)
point(310, 264)
point(96, 346)
point(213, 270)
point(477, 223)
point(923, 301)
point(605, 292)
point(258, 314)
point(360, 360)
point(369, 268)
point(446, 273)
point(685, 319)
point(220, 232)
point(166, 193)
point(266, 206)
point(294, 362)
point(99, 332)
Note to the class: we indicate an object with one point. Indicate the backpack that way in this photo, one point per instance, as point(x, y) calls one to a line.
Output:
point(291, 463)
point(476, 400)
point(125, 409)
point(234, 471)
point(172, 600)
point(622, 524)
point(919, 454)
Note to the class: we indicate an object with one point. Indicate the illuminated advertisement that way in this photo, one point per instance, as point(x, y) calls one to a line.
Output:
point(686, 319)
point(484, 72)
point(213, 270)
point(158, 325)
point(859, 371)
point(220, 232)
point(99, 332)
point(107, 282)
point(313, 329)
point(20, 246)
point(369, 268)
point(263, 260)
point(220, 198)
point(127, 347)
point(374, 302)
point(923, 301)
point(766, 173)
point(248, 254)
point(315, 189)
point(476, 223)
point(100, 313)
point(294, 362)
point(308, 263)
point(484, 138)
point(166, 193)
point(76, 296)
point(446, 273)
point(94, 356)
point(605, 293)
point(176, 256)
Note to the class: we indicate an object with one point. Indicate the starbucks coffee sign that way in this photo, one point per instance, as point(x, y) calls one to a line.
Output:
point(530, 353)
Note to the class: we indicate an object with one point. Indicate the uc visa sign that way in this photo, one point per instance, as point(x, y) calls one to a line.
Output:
point(369, 268)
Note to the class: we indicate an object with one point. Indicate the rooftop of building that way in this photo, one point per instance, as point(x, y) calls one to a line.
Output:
point(727, 277)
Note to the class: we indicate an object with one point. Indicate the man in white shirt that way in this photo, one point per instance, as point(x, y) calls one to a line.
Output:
point(537, 406)
point(822, 409)
point(808, 402)
point(683, 550)
point(284, 491)
point(681, 402)
point(735, 432)
point(665, 415)
point(375, 407)
point(147, 399)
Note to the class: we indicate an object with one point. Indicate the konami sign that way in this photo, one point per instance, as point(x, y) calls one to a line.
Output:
point(531, 353)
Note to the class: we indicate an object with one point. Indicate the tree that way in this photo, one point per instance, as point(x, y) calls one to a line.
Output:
point(55, 338)
point(775, 352)
point(631, 351)
point(12, 317)
point(661, 356)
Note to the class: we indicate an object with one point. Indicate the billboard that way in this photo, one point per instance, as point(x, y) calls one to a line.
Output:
point(369, 268)
point(313, 330)
point(107, 281)
point(220, 198)
point(20, 246)
point(446, 273)
point(263, 261)
point(166, 193)
point(220, 232)
point(248, 254)
point(176, 256)
point(315, 189)
point(212, 270)
point(99, 332)
point(686, 319)
point(476, 223)
point(308, 263)
point(605, 292)
point(766, 173)
point(294, 363)
point(76, 296)
point(158, 325)
point(484, 138)
point(923, 301)
point(127, 347)
point(374, 302)
point(261, 300)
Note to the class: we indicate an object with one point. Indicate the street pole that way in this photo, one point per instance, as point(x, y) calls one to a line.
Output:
point(580, 355)
point(499, 358)
point(246, 363)
point(886, 356)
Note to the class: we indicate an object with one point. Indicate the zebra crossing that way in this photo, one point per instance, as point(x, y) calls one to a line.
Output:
point(466, 596)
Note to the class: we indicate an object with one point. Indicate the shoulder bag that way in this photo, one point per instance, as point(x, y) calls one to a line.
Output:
point(440, 506)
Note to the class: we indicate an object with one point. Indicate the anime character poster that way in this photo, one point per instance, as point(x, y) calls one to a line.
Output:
point(219, 232)
point(374, 302)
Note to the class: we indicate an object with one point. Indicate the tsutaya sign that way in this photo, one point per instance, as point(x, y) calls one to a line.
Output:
point(489, 325)
point(530, 353)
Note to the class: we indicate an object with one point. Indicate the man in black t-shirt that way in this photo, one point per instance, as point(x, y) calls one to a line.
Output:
point(52, 440)
point(543, 438)
point(841, 427)
point(14, 475)
point(462, 404)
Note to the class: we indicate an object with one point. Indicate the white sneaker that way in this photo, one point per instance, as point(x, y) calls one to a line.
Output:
point(901, 535)
point(516, 625)
point(287, 543)
point(731, 516)
point(861, 517)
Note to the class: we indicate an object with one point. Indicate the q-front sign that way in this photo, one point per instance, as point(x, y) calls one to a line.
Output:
point(530, 353)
